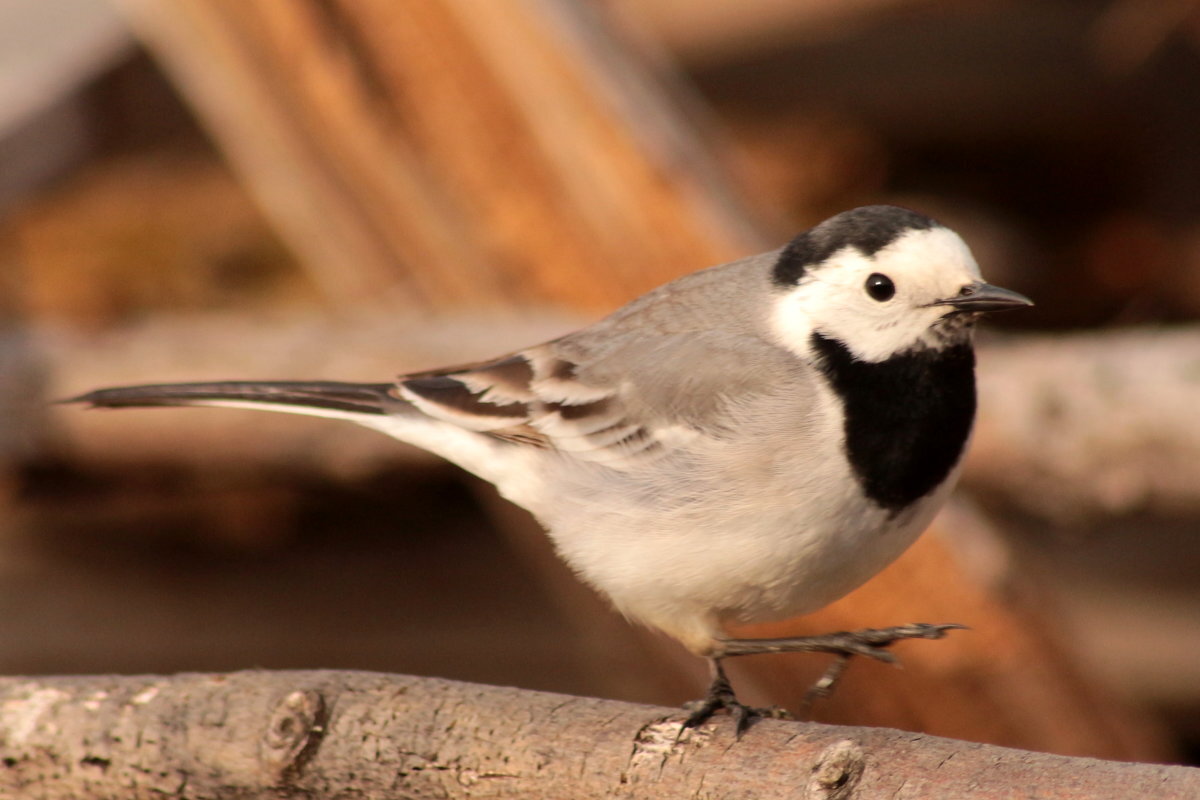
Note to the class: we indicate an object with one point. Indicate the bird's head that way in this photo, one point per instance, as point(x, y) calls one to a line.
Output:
point(881, 280)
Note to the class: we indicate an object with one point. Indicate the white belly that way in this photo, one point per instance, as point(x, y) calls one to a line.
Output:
point(686, 547)
point(783, 548)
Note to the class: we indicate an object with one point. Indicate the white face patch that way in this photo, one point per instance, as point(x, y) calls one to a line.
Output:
point(831, 299)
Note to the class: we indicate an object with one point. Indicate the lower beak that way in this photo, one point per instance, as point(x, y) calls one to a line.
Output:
point(979, 297)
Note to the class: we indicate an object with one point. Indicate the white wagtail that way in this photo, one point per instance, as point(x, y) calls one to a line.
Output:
point(746, 443)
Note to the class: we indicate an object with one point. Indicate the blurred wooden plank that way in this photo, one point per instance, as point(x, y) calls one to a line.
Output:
point(49, 49)
point(701, 32)
point(371, 345)
point(453, 153)
point(1070, 428)
point(1076, 428)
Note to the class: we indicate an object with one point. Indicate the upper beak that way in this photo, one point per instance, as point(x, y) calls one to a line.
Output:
point(977, 297)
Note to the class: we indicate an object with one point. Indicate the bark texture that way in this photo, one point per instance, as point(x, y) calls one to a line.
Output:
point(351, 734)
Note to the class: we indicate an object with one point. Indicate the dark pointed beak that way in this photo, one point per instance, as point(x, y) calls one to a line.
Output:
point(979, 297)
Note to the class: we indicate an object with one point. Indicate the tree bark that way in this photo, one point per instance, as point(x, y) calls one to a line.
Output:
point(351, 734)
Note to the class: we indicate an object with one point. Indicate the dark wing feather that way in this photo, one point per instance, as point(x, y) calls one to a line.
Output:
point(532, 398)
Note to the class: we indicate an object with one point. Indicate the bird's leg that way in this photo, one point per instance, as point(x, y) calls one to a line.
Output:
point(720, 696)
point(870, 642)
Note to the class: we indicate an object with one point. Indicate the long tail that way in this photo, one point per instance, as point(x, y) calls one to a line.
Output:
point(328, 396)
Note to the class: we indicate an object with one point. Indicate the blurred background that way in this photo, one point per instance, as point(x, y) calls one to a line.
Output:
point(352, 189)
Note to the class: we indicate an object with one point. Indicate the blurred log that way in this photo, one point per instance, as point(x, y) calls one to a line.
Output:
point(1070, 427)
point(707, 32)
point(354, 734)
point(23, 416)
point(453, 154)
point(53, 50)
point(1075, 428)
point(371, 345)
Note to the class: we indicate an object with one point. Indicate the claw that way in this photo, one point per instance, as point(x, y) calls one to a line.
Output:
point(721, 697)
point(742, 714)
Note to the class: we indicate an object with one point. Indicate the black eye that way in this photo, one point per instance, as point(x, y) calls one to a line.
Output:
point(880, 287)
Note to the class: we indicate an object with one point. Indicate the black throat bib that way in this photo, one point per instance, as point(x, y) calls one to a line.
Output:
point(907, 418)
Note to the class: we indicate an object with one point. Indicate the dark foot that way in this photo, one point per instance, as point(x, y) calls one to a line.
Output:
point(870, 642)
point(721, 697)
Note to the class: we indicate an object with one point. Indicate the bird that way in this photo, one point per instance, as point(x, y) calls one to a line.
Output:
point(748, 442)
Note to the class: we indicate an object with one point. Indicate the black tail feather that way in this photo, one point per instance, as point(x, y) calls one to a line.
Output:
point(363, 398)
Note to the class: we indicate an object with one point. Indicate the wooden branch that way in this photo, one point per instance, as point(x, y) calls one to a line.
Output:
point(352, 734)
